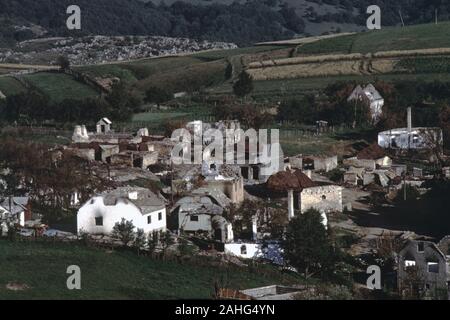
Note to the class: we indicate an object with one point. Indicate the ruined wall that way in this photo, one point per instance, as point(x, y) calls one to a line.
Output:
point(360, 163)
point(233, 189)
point(325, 164)
point(324, 199)
point(108, 151)
point(296, 162)
point(149, 158)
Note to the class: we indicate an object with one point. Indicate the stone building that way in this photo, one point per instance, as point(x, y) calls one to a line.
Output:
point(304, 194)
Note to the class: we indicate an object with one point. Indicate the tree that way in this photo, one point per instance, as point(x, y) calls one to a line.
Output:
point(124, 232)
point(244, 85)
point(63, 62)
point(152, 241)
point(307, 246)
point(140, 240)
point(166, 241)
point(157, 95)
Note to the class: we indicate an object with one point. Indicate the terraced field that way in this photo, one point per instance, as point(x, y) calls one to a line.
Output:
point(59, 86)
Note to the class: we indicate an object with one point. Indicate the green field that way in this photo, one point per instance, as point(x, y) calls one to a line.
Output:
point(274, 90)
point(130, 72)
point(393, 38)
point(108, 71)
point(188, 78)
point(59, 86)
point(117, 275)
point(10, 86)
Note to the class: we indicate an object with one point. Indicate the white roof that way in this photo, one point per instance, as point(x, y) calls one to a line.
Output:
point(105, 120)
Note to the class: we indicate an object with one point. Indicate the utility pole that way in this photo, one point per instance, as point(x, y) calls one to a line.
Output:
point(436, 16)
point(404, 186)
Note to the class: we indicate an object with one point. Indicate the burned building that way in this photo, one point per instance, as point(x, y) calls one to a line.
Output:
point(423, 270)
point(419, 138)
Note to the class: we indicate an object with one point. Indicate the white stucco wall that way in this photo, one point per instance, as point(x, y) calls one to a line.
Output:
point(113, 214)
point(253, 250)
point(185, 223)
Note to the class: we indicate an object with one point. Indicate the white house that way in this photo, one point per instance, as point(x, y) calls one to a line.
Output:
point(146, 210)
point(104, 125)
point(371, 97)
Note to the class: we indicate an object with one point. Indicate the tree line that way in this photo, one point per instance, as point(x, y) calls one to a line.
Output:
point(35, 107)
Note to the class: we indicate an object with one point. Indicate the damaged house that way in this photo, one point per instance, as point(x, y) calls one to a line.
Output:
point(370, 165)
point(145, 209)
point(114, 148)
point(304, 194)
point(212, 176)
point(423, 268)
point(14, 210)
point(313, 163)
point(257, 160)
point(371, 98)
point(419, 138)
point(202, 212)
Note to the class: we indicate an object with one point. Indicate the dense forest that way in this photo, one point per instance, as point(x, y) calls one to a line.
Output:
point(241, 23)
point(238, 23)
point(412, 11)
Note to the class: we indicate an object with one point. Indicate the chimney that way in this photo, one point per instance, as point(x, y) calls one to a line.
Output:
point(409, 119)
point(84, 132)
point(291, 204)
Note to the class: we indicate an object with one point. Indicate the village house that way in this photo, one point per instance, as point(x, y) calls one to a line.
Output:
point(213, 176)
point(257, 162)
point(424, 267)
point(371, 98)
point(304, 194)
point(202, 212)
point(313, 163)
point(370, 165)
point(116, 149)
point(145, 209)
point(14, 210)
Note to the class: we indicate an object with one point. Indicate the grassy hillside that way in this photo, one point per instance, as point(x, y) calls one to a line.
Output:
point(115, 275)
point(408, 38)
point(10, 86)
point(60, 86)
point(187, 78)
